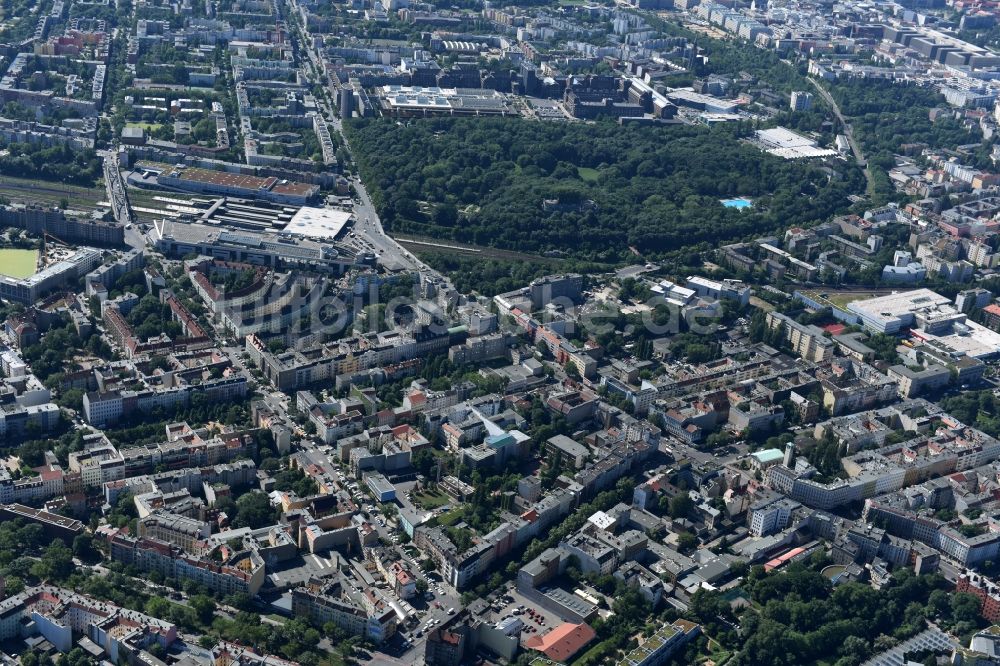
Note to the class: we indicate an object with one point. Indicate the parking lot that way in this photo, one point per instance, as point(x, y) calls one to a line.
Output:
point(537, 620)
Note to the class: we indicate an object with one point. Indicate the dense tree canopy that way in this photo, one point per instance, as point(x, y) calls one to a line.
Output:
point(886, 115)
point(654, 189)
point(980, 409)
point(803, 620)
point(296, 481)
point(58, 163)
point(253, 510)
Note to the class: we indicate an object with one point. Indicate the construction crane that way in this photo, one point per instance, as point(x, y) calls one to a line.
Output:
point(45, 246)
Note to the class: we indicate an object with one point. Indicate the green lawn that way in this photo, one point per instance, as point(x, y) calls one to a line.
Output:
point(718, 654)
point(451, 517)
point(839, 299)
point(585, 173)
point(18, 263)
point(843, 300)
point(430, 499)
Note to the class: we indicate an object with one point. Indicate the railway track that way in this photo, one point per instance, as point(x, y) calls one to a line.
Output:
point(35, 187)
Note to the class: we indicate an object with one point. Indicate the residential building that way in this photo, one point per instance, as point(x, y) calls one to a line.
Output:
point(807, 341)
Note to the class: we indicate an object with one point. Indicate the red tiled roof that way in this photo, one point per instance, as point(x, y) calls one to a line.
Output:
point(562, 642)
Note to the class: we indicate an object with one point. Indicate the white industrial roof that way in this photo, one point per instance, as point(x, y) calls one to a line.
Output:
point(790, 145)
point(318, 222)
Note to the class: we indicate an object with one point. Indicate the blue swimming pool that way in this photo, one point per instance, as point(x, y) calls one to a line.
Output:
point(737, 203)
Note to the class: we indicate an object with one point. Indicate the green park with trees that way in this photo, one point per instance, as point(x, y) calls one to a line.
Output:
point(531, 187)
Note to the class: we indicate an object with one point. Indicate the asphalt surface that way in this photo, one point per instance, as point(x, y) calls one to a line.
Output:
point(368, 224)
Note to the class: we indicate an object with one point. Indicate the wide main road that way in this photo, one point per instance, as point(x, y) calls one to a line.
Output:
point(367, 222)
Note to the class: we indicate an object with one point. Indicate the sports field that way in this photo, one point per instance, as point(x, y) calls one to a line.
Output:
point(18, 263)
